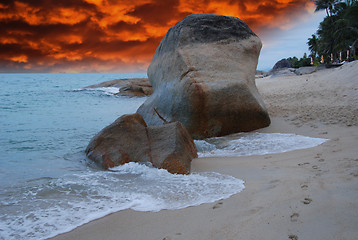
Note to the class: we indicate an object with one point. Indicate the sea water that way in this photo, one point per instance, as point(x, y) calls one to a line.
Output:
point(48, 186)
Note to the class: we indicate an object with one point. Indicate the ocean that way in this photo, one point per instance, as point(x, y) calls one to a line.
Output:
point(48, 186)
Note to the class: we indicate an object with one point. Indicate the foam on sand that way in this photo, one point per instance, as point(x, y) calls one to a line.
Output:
point(51, 206)
point(246, 144)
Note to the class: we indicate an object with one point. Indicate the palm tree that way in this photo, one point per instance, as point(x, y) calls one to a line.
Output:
point(349, 26)
point(328, 5)
point(338, 32)
point(313, 45)
point(326, 42)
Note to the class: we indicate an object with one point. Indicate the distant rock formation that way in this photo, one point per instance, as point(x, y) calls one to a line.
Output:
point(128, 139)
point(283, 63)
point(284, 68)
point(203, 75)
point(132, 87)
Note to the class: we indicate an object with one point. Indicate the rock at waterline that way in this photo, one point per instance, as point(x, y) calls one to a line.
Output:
point(125, 140)
point(203, 75)
point(128, 139)
point(172, 147)
point(132, 87)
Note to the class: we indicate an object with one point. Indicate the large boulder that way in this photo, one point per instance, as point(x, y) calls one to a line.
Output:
point(203, 75)
point(128, 139)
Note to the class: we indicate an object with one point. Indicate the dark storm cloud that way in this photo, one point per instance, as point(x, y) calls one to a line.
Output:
point(111, 35)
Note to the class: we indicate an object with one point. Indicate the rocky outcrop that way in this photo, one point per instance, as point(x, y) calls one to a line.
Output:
point(283, 63)
point(135, 89)
point(292, 71)
point(132, 87)
point(128, 139)
point(284, 68)
point(203, 75)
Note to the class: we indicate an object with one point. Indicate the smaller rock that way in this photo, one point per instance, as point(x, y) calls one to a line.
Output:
point(172, 147)
point(125, 140)
point(128, 139)
point(305, 70)
point(283, 72)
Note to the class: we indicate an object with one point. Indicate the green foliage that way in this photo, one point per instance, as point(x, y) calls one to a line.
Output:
point(338, 31)
point(328, 5)
point(302, 62)
point(313, 45)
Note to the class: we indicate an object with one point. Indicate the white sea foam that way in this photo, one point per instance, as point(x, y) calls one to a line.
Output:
point(105, 90)
point(108, 90)
point(53, 206)
point(246, 144)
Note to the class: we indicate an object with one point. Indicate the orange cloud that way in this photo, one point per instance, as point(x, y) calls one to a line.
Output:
point(19, 59)
point(115, 35)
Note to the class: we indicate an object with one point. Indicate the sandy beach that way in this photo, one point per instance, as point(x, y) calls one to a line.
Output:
point(303, 194)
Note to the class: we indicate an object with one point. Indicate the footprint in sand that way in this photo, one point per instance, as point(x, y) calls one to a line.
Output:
point(302, 164)
point(219, 204)
point(304, 186)
point(293, 237)
point(318, 155)
point(307, 201)
point(294, 217)
point(169, 238)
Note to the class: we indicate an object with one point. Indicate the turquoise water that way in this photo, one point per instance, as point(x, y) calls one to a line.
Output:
point(47, 184)
point(46, 118)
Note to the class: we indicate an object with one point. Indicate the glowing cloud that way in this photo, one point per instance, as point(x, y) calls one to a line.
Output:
point(115, 35)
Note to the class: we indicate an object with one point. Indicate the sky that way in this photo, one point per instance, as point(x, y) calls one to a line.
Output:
point(122, 35)
point(290, 42)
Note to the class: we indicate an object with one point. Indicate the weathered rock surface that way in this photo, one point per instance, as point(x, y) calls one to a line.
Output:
point(172, 147)
point(125, 140)
point(128, 139)
point(203, 75)
point(136, 90)
point(132, 87)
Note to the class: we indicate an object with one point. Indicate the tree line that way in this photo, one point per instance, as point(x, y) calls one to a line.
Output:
point(337, 36)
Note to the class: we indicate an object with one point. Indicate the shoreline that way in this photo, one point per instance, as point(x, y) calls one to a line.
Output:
point(302, 194)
